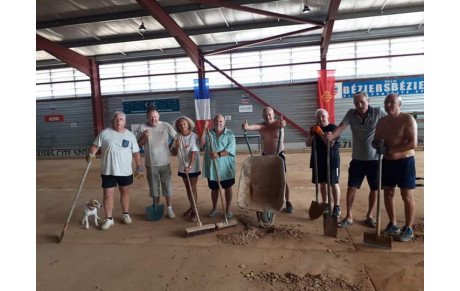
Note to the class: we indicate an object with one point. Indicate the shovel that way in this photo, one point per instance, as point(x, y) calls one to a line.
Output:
point(156, 211)
point(316, 208)
point(376, 239)
point(66, 224)
point(330, 221)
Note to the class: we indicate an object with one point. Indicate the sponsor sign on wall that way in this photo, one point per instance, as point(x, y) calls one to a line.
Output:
point(54, 118)
point(245, 98)
point(245, 108)
point(162, 105)
point(382, 88)
point(62, 153)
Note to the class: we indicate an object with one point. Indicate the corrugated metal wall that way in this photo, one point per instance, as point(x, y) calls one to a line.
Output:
point(76, 131)
point(187, 107)
point(297, 102)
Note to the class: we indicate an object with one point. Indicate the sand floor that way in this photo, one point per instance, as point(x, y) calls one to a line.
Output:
point(292, 255)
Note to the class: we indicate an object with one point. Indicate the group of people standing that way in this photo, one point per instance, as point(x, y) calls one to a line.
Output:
point(375, 131)
point(119, 146)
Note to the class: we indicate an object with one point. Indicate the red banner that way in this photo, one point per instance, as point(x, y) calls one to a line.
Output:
point(326, 94)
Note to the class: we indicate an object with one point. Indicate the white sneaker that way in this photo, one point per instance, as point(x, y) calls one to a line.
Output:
point(170, 212)
point(127, 219)
point(107, 224)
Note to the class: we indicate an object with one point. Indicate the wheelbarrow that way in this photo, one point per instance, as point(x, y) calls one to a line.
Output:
point(262, 185)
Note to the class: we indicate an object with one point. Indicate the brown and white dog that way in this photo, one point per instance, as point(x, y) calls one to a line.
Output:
point(90, 208)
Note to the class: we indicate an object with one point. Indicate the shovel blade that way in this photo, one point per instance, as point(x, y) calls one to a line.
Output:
point(316, 209)
point(265, 218)
point(330, 225)
point(155, 212)
point(377, 241)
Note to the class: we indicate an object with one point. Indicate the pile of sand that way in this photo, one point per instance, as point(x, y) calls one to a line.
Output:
point(418, 227)
point(306, 282)
point(418, 232)
point(253, 232)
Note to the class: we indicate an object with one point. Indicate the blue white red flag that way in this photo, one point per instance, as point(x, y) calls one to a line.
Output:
point(202, 104)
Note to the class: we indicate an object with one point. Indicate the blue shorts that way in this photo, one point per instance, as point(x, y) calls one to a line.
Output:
point(399, 173)
point(109, 181)
point(359, 169)
point(281, 154)
point(225, 184)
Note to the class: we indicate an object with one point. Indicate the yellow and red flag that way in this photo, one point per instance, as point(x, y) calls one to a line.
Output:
point(326, 86)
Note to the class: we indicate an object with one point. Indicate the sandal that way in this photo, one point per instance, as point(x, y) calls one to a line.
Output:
point(193, 217)
point(188, 212)
point(344, 223)
point(212, 213)
point(370, 222)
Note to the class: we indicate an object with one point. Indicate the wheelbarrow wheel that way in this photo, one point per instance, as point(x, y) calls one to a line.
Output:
point(265, 218)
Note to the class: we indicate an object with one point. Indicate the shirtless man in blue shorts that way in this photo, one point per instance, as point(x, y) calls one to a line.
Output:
point(396, 139)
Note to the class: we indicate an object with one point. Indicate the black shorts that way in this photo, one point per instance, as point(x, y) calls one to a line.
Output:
point(109, 181)
point(360, 169)
point(281, 154)
point(322, 175)
point(225, 184)
point(191, 175)
point(399, 173)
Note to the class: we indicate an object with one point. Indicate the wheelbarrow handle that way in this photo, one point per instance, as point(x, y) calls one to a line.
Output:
point(281, 132)
point(247, 142)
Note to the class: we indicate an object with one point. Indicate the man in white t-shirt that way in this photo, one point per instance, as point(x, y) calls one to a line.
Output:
point(118, 147)
point(154, 135)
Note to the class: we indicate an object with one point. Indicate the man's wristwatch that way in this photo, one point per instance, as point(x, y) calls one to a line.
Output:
point(219, 154)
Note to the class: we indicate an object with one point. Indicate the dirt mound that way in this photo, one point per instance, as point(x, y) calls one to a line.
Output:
point(253, 232)
point(306, 282)
point(418, 227)
point(418, 237)
point(418, 232)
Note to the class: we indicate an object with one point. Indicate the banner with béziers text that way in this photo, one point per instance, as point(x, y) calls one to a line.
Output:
point(382, 88)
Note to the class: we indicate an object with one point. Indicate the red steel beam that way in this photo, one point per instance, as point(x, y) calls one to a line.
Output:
point(96, 98)
point(85, 65)
point(201, 70)
point(190, 48)
point(258, 11)
point(66, 55)
point(327, 30)
point(261, 41)
point(250, 93)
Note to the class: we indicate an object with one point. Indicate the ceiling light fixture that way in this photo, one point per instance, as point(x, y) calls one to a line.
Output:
point(306, 9)
point(142, 27)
